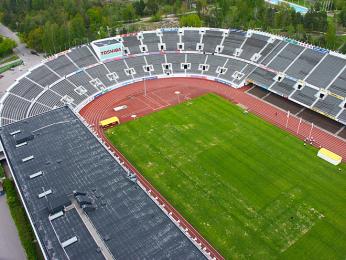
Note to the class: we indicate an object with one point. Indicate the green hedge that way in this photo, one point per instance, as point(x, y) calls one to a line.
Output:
point(1, 171)
point(9, 66)
point(18, 213)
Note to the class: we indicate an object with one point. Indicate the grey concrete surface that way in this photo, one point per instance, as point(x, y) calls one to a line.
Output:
point(10, 246)
point(29, 60)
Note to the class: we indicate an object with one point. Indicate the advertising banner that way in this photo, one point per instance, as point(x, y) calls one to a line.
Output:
point(110, 51)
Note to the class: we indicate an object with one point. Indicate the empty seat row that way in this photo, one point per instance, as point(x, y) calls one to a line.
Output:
point(269, 61)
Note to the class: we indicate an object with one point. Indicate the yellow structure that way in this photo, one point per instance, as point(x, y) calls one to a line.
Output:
point(329, 156)
point(109, 122)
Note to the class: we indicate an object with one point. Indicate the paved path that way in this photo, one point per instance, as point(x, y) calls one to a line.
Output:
point(29, 60)
point(10, 246)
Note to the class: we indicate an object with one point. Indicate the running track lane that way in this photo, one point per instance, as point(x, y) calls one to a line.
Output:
point(161, 93)
point(163, 89)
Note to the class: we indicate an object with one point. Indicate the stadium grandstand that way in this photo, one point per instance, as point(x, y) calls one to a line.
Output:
point(310, 76)
point(81, 200)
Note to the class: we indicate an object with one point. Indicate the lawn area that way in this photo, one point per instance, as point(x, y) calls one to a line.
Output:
point(251, 189)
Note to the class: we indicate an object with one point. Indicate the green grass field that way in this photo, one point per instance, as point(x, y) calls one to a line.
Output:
point(251, 189)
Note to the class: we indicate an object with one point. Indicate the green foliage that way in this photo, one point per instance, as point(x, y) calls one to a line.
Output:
point(129, 13)
point(11, 65)
point(139, 7)
point(192, 20)
point(2, 174)
point(6, 46)
point(343, 47)
point(9, 59)
point(156, 17)
point(152, 6)
point(55, 25)
point(342, 16)
point(331, 36)
point(251, 189)
point(25, 232)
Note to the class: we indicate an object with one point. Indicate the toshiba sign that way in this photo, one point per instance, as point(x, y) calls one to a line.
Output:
point(108, 52)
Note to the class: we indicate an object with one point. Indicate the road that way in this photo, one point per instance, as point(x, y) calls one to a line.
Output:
point(29, 60)
point(10, 246)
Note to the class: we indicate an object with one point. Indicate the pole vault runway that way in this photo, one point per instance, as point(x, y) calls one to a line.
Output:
point(162, 93)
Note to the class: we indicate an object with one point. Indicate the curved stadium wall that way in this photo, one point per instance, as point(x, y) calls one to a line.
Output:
point(308, 75)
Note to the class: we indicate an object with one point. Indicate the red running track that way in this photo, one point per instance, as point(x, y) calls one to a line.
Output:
point(162, 93)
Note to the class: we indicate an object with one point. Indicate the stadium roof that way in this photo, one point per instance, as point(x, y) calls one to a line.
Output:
point(80, 201)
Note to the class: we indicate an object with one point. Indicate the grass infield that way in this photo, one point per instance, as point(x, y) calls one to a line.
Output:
point(251, 189)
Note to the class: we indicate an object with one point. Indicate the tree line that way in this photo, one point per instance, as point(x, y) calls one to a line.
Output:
point(54, 25)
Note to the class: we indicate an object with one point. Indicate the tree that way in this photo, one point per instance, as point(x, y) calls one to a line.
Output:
point(77, 28)
point(342, 16)
point(290, 30)
point(139, 7)
point(190, 20)
point(95, 19)
point(152, 6)
point(331, 36)
point(129, 13)
point(201, 7)
point(35, 38)
point(6, 46)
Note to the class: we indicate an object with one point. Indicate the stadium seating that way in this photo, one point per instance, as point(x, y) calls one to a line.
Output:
point(286, 67)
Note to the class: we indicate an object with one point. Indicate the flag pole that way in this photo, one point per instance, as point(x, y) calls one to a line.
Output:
point(300, 121)
point(312, 126)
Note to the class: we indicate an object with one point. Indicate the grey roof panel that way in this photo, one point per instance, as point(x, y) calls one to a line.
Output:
point(262, 78)
point(342, 117)
point(304, 64)
point(284, 88)
point(339, 85)
point(326, 71)
point(285, 58)
point(329, 105)
point(306, 95)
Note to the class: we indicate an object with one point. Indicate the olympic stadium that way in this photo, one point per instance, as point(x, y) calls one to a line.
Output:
point(88, 193)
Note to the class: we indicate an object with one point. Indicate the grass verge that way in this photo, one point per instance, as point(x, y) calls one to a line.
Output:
point(21, 221)
point(8, 59)
point(9, 66)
